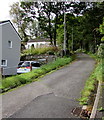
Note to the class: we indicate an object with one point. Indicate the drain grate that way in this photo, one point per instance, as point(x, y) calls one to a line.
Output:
point(76, 111)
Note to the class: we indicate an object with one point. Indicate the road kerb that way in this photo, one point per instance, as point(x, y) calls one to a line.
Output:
point(93, 113)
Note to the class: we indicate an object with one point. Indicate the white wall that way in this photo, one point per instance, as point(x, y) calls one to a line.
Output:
point(36, 44)
point(12, 55)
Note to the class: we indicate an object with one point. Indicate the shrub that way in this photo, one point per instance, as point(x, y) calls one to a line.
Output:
point(100, 52)
point(37, 51)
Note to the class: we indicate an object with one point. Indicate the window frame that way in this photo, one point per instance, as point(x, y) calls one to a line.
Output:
point(10, 44)
point(5, 62)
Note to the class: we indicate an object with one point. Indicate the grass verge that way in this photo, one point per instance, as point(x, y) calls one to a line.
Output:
point(91, 84)
point(18, 80)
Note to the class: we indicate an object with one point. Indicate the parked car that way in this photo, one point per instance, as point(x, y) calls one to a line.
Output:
point(20, 63)
point(27, 66)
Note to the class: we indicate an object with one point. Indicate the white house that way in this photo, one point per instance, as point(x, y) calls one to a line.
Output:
point(10, 42)
point(37, 43)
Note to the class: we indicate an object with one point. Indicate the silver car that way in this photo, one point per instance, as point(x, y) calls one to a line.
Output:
point(27, 66)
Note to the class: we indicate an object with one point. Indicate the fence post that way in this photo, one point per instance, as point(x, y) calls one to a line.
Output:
point(30, 67)
point(1, 72)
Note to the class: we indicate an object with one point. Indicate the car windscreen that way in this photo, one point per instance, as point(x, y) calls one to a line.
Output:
point(25, 64)
point(20, 63)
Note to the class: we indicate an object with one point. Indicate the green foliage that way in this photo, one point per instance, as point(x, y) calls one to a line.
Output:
point(39, 51)
point(100, 52)
point(21, 19)
point(80, 50)
point(83, 100)
point(82, 22)
point(102, 27)
point(90, 83)
point(14, 81)
point(101, 109)
point(60, 35)
point(100, 72)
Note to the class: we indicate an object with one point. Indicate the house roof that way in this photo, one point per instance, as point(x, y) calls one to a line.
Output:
point(40, 40)
point(1, 22)
point(6, 21)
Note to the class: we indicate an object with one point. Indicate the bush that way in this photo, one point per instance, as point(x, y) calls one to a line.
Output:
point(80, 51)
point(37, 51)
point(100, 52)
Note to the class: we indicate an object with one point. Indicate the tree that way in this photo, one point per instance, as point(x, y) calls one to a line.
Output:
point(58, 8)
point(17, 17)
point(21, 17)
point(102, 30)
point(46, 20)
point(60, 36)
point(92, 18)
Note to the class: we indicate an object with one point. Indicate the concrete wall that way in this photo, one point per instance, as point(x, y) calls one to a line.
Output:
point(12, 55)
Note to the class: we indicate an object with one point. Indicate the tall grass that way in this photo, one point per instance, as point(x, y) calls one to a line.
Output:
point(15, 81)
point(90, 83)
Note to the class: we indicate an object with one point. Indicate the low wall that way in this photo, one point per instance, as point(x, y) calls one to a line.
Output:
point(49, 58)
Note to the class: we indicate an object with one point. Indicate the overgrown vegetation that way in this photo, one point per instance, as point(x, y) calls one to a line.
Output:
point(101, 109)
point(91, 84)
point(39, 51)
point(15, 81)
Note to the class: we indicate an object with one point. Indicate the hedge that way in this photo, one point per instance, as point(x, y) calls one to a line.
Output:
point(15, 81)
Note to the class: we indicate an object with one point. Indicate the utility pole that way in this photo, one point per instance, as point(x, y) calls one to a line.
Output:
point(1, 71)
point(72, 40)
point(64, 45)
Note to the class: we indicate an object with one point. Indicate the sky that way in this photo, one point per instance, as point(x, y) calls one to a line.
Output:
point(4, 9)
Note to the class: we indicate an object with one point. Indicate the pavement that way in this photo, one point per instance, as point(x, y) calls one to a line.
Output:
point(54, 96)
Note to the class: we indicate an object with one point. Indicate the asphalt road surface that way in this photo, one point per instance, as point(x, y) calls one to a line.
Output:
point(54, 96)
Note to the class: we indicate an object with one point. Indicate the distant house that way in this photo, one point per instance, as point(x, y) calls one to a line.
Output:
point(37, 43)
point(9, 48)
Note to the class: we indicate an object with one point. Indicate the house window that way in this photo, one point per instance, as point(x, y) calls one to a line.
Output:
point(3, 62)
point(10, 44)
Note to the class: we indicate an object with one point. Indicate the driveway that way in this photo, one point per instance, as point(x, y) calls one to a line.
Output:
point(54, 96)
